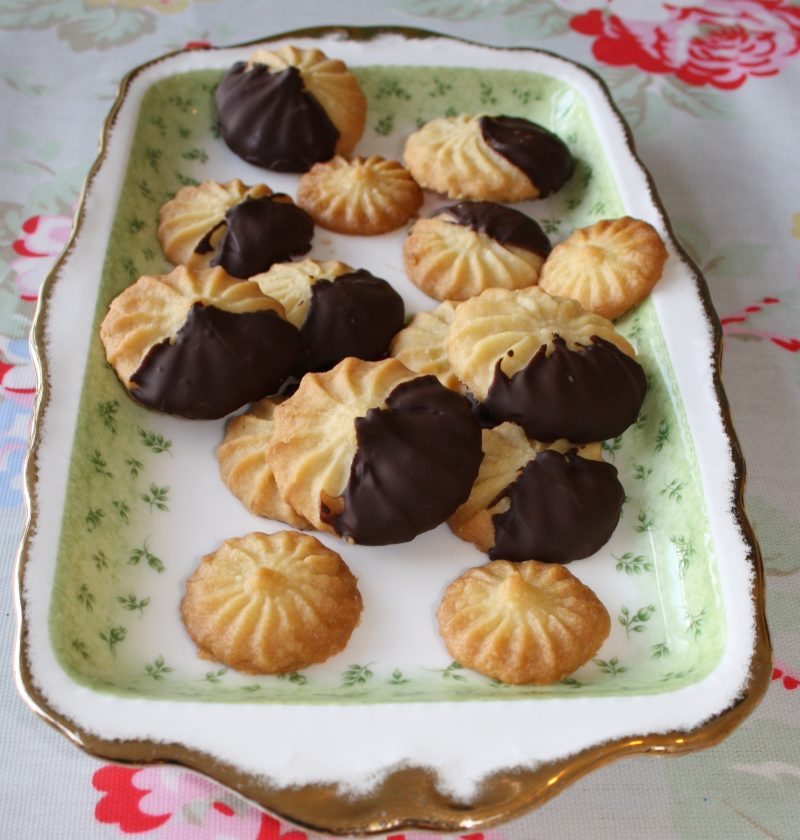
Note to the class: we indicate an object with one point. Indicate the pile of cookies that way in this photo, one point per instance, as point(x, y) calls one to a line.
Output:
point(485, 412)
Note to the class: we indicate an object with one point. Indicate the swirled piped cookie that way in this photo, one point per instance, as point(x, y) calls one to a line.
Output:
point(199, 344)
point(546, 364)
point(239, 228)
point(522, 623)
point(607, 267)
point(289, 108)
point(550, 502)
point(363, 196)
point(339, 311)
point(245, 470)
point(373, 452)
point(472, 246)
point(488, 158)
point(420, 344)
point(271, 603)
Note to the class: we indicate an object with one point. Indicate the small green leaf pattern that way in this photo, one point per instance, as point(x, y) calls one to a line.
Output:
point(122, 508)
point(134, 466)
point(100, 560)
point(612, 446)
point(99, 464)
point(154, 442)
point(215, 676)
point(695, 623)
point(86, 598)
point(640, 472)
point(158, 668)
point(112, 637)
point(636, 622)
point(296, 678)
point(108, 414)
point(157, 497)
point(659, 650)
point(356, 675)
point(611, 667)
point(673, 490)
point(685, 549)
point(397, 678)
point(94, 519)
point(131, 603)
point(662, 436)
point(451, 672)
point(79, 646)
point(145, 554)
point(633, 564)
point(385, 125)
point(645, 522)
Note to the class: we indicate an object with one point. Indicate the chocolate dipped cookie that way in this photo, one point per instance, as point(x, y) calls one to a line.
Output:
point(198, 344)
point(546, 364)
point(472, 246)
point(339, 311)
point(533, 501)
point(374, 453)
point(488, 158)
point(290, 108)
point(242, 229)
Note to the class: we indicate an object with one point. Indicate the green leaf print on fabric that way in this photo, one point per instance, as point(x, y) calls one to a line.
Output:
point(539, 18)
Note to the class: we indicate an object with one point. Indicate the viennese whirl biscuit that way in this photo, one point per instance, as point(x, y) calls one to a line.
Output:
point(472, 246)
point(242, 229)
point(339, 311)
point(245, 470)
point(488, 158)
point(199, 344)
point(522, 623)
point(289, 108)
point(607, 267)
point(546, 364)
point(420, 344)
point(373, 452)
point(271, 603)
point(533, 501)
point(364, 196)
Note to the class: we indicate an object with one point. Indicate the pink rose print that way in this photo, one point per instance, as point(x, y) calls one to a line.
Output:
point(170, 802)
point(17, 376)
point(790, 681)
point(43, 238)
point(717, 42)
point(737, 324)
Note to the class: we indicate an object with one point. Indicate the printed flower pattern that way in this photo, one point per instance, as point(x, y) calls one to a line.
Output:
point(719, 43)
point(788, 679)
point(176, 803)
point(42, 239)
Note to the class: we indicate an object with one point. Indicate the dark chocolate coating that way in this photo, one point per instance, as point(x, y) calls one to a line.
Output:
point(415, 463)
point(271, 120)
point(540, 154)
point(258, 233)
point(584, 395)
point(563, 507)
point(356, 314)
point(503, 224)
point(218, 362)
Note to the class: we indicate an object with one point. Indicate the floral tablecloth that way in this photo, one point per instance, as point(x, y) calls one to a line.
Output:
point(711, 89)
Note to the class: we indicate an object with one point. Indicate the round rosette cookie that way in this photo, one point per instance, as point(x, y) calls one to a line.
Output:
point(546, 364)
point(340, 311)
point(420, 345)
point(290, 108)
point(271, 603)
point(363, 196)
point(198, 344)
point(244, 468)
point(522, 623)
point(549, 502)
point(488, 158)
point(239, 228)
point(607, 267)
point(472, 246)
point(374, 453)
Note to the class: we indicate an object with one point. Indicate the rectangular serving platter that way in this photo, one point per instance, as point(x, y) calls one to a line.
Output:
point(124, 502)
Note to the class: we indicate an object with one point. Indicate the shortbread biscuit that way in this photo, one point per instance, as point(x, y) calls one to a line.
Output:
point(339, 311)
point(550, 502)
point(199, 344)
point(488, 158)
point(271, 603)
point(363, 196)
point(244, 468)
point(239, 228)
point(420, 345)
point(374, 453)
point(522, 623)
point(546, 364)
point(290, 108)
point(607, 267)
point(472, 246)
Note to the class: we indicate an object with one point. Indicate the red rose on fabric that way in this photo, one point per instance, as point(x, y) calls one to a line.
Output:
point(719, 43)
